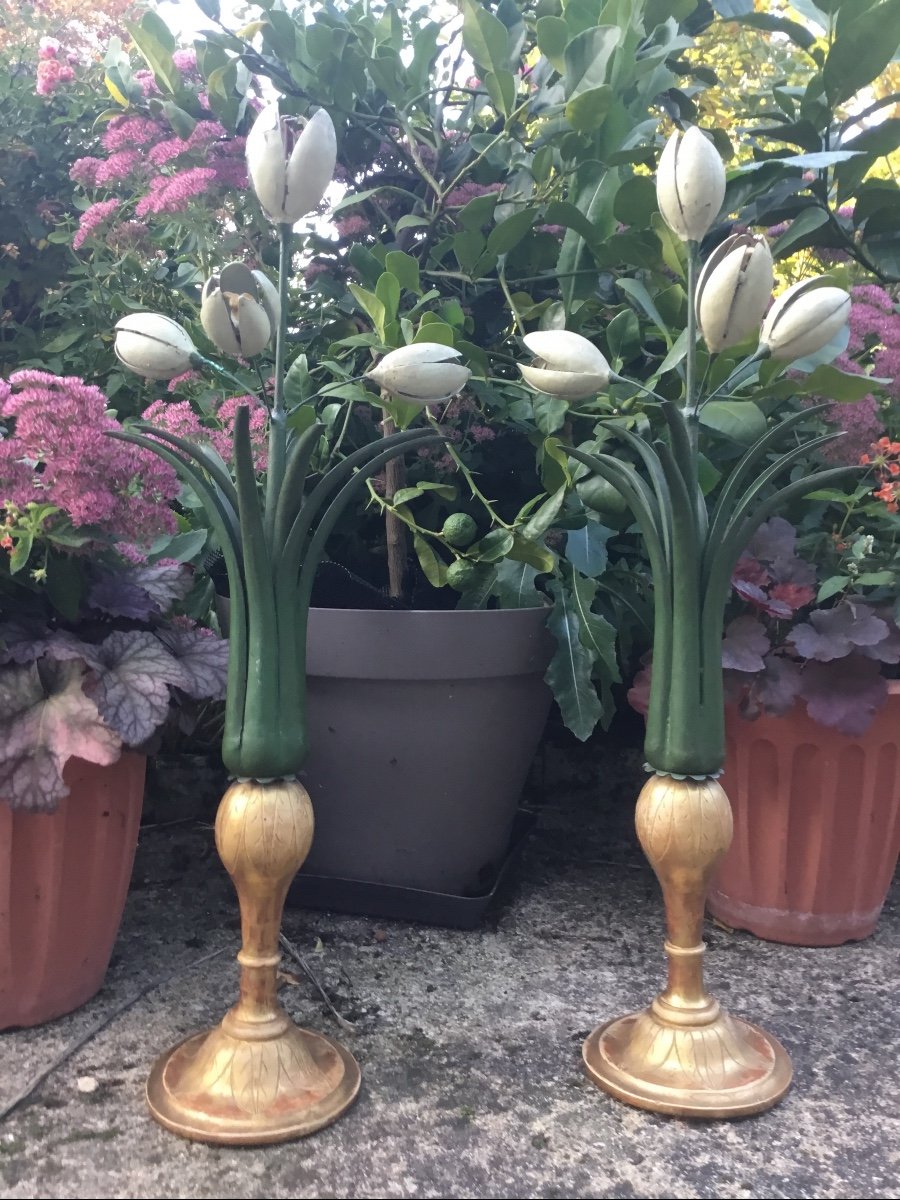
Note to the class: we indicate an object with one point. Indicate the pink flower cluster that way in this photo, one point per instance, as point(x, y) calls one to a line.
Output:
point(126, 133)
point(468, 191)
point(173, 193)
point(185, 61)
point(875, 325)
point(58, 453)
point(352, 226)
point(135, 145)
point(202, 133)
point(51, 74)
point(91, 219)
point(874, 333)
point(179, 418)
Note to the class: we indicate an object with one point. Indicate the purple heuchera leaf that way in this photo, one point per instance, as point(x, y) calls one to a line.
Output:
point(794, 570)
point(24, 643)
point(46, 719)
point(834, 632)
point(142, 591)
point(131, 687)
point(888, 649)
point(775, 539)
point(203, 659)
point(776, 688)
point(750, 570)
point(120, 597)
point(757, 597)
point(844, 695)
point(744, 645)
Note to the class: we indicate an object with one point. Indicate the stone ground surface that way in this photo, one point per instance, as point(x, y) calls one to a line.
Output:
point(470, 1045)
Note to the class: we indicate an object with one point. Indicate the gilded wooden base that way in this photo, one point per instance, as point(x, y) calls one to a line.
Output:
point(215, 1088)
point(728, 1068)
point(257, 1078)
point(683, 1055)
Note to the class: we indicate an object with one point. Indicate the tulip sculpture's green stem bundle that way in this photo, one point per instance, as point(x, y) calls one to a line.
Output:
point(693, 554)
point(271, 555)
point(692, 551)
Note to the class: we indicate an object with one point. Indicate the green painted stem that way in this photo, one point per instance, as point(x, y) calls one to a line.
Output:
point(278, 416)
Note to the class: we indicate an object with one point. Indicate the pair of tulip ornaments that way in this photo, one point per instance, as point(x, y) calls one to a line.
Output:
point(257, 1077)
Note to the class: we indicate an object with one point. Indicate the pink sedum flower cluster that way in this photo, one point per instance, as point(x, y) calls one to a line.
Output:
point(56, 452)
point(173, 193)
point(165, 172)
point(874, 336)
point(91, 219)
point(178, 417)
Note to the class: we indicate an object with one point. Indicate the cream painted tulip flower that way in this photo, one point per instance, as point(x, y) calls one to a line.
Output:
point(239, 310)
point(421, 373)
point(290, 162)
point(690, 184)
point(565, 364)
point(734, 290)
point(154, 346)
point(804, 319)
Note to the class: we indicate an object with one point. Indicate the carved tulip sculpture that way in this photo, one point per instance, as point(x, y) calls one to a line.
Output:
point(257, 1077)
point(239, 310)
point(804, 319)
point(683, 1055)
point(690, 184)
point(565, 364)
point(290, 162)
point(154, 346)
point(422, 373)
point(734, 290)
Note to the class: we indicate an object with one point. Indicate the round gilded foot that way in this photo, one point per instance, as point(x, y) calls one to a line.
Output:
point(725, 1069)
point(220, 1089)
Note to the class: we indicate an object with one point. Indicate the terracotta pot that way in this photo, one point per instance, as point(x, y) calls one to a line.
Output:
point(816, 827)
point(422, 727)
point(63, 881)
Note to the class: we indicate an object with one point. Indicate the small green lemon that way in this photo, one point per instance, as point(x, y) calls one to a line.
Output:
point(459, 530)
point(462, 574)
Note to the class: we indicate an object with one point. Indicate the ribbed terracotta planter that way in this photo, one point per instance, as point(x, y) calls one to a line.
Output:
point(422, 727)
point(63, 881)
point(816, 827)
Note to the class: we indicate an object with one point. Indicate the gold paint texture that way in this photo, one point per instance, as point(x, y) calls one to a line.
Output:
point(257, 1077)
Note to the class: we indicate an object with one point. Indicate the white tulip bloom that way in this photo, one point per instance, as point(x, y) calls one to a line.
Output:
point(421, 373)
point(734, 290)
point(290, 162)
point(690, 184)
point(804, 319)
point(154, 346)
point(565, 364)
point(239, 310)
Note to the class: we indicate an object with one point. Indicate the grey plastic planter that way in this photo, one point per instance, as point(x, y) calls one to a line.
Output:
point(422, 727)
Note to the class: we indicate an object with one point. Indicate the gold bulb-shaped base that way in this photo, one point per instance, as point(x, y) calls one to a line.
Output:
point(256, 1078)
point(683, 1055)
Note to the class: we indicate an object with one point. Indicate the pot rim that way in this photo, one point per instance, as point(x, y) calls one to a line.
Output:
point(386, 645)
